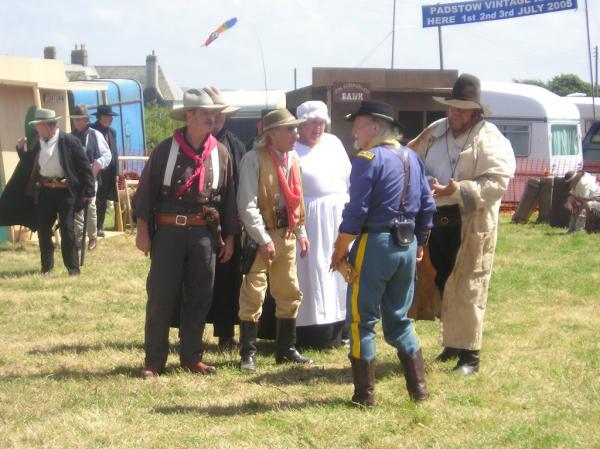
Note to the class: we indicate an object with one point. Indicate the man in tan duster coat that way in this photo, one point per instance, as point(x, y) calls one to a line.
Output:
point(469, 164)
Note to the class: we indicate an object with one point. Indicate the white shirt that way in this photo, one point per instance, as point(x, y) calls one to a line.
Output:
point(49, 160)
point(105, 155)
point(442, 160)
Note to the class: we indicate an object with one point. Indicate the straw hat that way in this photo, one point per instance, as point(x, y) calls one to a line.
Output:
point(44, 116)
point(195, 99)
point(217, 98)
point(278, 118)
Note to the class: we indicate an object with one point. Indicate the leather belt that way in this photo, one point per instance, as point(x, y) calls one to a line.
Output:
point(54, 183)
point(181, 220)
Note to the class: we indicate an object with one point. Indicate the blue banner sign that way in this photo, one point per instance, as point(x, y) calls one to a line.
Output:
point(485, 10)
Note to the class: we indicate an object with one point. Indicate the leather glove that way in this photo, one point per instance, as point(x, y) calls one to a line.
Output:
point(340, 249)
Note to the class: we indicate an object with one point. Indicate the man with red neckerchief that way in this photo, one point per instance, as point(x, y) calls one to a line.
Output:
point(271, 208)
point(187, 180)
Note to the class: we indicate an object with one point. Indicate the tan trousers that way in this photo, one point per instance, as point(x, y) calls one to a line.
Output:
point(282, 277)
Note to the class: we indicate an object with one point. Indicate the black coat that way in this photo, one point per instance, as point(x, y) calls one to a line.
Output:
point(17, 201)
point(107, 178)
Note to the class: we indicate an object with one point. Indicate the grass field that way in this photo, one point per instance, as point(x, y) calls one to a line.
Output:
point(71, 351)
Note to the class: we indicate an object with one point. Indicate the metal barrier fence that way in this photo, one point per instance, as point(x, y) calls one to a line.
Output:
point(532, 168)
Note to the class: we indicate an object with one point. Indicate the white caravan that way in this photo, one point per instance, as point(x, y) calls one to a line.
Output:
point(586, 109)
point(543, 128)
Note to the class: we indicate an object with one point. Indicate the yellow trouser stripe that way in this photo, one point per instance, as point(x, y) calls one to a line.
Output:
point(360, 256)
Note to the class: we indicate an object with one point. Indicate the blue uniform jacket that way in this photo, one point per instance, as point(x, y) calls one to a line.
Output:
point(376, 184)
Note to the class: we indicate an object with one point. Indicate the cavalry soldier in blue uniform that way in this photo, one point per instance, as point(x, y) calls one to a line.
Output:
point(389, 214)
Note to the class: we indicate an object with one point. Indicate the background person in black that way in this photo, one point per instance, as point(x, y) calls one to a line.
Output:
point(107, 189)
point(57, 175)
point(224, 310)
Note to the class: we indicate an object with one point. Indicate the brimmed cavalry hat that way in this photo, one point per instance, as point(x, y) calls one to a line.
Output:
point(313, 110)
point(466, 94)
point(378, 109)
point(195, 99)
point(217, 98)
point(105, 109)
point(277, 118)
point(44, 116)
point(573, 176)
point(80, 111)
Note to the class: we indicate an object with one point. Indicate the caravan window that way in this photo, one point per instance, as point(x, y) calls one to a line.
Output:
point(564, 140)
point(518, 136)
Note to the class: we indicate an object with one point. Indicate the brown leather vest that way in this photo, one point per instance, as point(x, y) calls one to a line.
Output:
point(268, 189)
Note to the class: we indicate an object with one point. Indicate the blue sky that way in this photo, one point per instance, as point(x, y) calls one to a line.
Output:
point(297, 34)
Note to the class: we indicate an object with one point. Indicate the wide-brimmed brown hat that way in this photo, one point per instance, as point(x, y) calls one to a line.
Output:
point(466, 94)
point(44, 115)
point(195, 99)
point(217, 98)
point(277, 118)
point(573, 176)
point(80, 111)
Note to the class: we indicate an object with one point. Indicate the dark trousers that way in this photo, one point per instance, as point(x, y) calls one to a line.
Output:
point(183, 263)
point(226, 295)
point(53, 203)
point(444, 242)
point(100, 212)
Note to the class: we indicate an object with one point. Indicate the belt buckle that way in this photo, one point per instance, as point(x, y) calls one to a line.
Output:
point(444, 220)
point(180, 220)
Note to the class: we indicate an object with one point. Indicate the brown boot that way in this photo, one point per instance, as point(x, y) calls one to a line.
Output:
point(414, 373)
point(363, 375)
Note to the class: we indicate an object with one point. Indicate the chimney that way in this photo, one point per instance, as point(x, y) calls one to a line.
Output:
point(49, 52)
point(151, 89)
point(79, 56)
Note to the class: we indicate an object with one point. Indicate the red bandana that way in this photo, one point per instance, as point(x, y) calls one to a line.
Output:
point(209, 144)
point(291, 189)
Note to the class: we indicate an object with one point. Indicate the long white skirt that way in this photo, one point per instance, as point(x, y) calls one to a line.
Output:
point(324, 292)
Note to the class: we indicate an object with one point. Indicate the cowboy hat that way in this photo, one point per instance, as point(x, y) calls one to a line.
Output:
point(313, 110)
point(217, 98)
point(195, 99)
point(573, 176)
point(44, 116)
point(104, 109)
point(378, 109)
point(80, 111)
point(466, 94)
point(278, 118)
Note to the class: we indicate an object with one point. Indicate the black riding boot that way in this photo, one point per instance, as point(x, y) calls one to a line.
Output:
point(448, 354)
point(363, 376)
point(248, 331)
point(468, 362)
point(414, 373)
point(286, 343)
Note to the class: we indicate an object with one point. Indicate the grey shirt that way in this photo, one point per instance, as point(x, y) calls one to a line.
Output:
point(247, 199)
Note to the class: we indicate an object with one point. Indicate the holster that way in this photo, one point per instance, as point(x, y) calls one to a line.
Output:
point(249, 249)
point(403, 232)
point(213, 219)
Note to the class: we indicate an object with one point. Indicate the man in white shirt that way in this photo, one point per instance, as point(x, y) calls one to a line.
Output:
point(99, 156)
point(63, 183)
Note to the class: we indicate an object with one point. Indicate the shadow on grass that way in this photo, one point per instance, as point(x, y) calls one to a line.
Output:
point(249, 408)
point(309, 374)
point(69, 374)
point(83, 348)
point(18, 274)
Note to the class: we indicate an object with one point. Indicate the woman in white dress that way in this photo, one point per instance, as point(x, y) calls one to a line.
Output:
point(325, 180)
